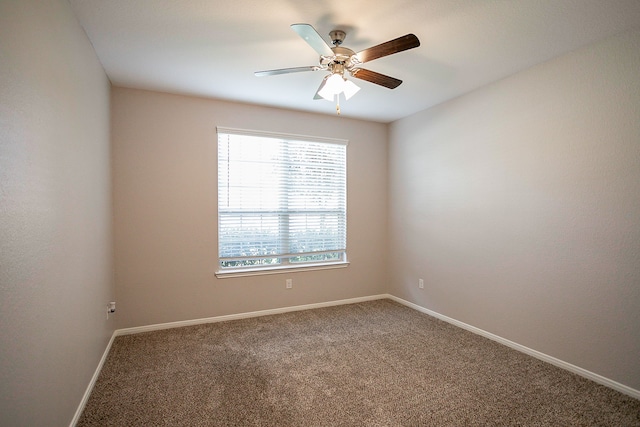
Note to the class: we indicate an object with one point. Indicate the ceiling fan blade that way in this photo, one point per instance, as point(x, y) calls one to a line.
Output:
point(311, 36)
point(377, 78)
point(400, 44)
point(286, 71)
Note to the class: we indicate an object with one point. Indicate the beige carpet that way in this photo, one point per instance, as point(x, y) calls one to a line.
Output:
point(376, 363)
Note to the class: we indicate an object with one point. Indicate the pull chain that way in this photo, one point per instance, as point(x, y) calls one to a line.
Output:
point(338, 104)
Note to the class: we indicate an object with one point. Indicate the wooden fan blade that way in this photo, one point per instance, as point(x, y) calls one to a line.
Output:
point(388, 48)
point(286, 71)
point(377, 78)
point(311, 36)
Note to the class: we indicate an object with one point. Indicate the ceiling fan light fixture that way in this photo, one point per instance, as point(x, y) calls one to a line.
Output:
point(350, 89)
point(334, 85)
point(326, 94)
point(339, 59)
point(322, 85)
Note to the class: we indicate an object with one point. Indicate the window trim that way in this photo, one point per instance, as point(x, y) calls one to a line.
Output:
point(282, 268)
point(268, 134)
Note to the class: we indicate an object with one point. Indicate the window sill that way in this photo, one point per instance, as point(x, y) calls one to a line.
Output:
point(225, 274)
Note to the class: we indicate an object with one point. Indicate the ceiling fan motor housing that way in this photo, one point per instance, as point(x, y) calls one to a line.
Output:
point(343, 58)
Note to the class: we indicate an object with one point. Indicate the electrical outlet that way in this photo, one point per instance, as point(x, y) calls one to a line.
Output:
point(111, 308)
point(289, 283)
point(421, 283)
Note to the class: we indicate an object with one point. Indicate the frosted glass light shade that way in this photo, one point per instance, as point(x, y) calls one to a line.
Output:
point(349, 89)
point(334, 85)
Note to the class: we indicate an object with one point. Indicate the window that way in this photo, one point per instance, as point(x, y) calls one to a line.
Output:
point(281, 201)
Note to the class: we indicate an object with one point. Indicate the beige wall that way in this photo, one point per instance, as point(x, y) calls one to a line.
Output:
point(55, 213)
point(519, 205)
point(165, 194)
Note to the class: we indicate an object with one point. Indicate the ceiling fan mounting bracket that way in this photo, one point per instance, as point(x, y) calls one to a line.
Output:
point(337, 37)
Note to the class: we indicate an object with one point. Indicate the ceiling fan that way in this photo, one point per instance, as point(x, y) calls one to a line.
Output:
point(338, 60)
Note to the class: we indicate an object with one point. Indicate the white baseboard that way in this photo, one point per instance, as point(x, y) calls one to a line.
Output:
point(137, 330)
point(531, 352)
point(92, 383)
point(538, 355)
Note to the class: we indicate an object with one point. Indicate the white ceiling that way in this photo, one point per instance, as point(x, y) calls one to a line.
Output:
point(211, 48)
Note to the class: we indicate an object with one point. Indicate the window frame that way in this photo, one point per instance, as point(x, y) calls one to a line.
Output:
point(286, 267)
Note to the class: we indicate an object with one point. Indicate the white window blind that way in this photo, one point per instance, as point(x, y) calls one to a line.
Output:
point(281, 200)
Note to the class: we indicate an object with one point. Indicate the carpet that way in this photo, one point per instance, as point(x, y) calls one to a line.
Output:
point(375, 363)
